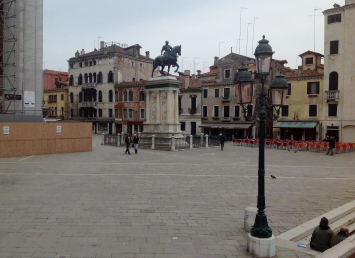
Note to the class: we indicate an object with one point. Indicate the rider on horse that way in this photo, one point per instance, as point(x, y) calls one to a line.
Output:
point(167, 49)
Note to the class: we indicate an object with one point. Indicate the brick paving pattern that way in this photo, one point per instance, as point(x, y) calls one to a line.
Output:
point(160, 204)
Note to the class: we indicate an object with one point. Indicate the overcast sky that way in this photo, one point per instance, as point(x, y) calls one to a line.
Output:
point(199, 26)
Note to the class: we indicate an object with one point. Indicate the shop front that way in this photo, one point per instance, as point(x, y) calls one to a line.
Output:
point(297, 130)
point(231, 131)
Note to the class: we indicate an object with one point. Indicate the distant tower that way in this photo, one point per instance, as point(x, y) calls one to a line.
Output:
point(21, 83)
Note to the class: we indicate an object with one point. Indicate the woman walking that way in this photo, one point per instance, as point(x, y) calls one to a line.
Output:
point(135, 142)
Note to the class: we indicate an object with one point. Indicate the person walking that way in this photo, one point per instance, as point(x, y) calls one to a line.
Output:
point(221, 140)
point(128, 141)
point(331, 141)
point(135, 142)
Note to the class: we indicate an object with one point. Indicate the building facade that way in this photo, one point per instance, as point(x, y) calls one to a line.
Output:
point(92, 77)
point(301, 115)
point(339, 70)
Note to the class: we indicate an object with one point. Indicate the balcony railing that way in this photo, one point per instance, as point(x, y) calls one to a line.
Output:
point(226, 119)
point(89, 85)
point(226, 99)
point(192, 111)
point(88, 104)
point(52, 100)
point(332, 95)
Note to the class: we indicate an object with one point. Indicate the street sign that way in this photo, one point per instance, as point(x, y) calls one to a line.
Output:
point(59, 129)
point(6, 131)
point(12, 97)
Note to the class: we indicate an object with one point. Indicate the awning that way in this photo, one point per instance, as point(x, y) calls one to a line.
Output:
point(227, 126)
point(295, 124)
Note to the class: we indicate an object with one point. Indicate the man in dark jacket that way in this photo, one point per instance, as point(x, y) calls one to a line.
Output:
point(342, 235)
point(331, 141)
point(128, 141)
point(321, 236)
point(222, 139)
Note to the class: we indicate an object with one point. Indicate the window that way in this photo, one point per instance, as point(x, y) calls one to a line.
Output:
point(71, 80)
point(141, 65)
point(124, 113)
point(86, 63)
point(204, 111)
point(100, 112)
point(332, 109)
point(236, 111)
point(334, 47)
point(80, 79)
point(80, 97)
point(61, 96)
point(100, 96)
point(179, 103)
point(110, 96)
point(110, 112)
point(125, 96)
point(227, 73)
point(116, 112)
point(205, 93)
point(312, 110)
point(193, 103)
point(56, 79)
point(142, 113)
point(333, 81)
point(289, 89)
point(309, 60)
point(132, 64)
point(90, 77)
point(285, 111)
point(334, 18)
point(71, 112)
point(226, 111)
point(226, 92)
point(110, 77)
point(141, 96)
point(250, 110)
point(94, 62)
point(94, 77)
point(216, 93)
point(133, 79)
point(216, 111)
point(71, 97)
point(99, 78)
point(71, 65)
point(80, 112)
point(312, 88)
point(80, 64)
point(130, 96)
point(116, 96)
point(90, 63)
point(130, 113)
point(86, 78)
point(183, 126)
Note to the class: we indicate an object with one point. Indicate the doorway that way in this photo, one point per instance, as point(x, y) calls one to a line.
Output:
point(193, 128)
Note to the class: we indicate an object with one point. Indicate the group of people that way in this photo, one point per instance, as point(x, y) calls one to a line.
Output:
point(129, 140)
point(324, 238)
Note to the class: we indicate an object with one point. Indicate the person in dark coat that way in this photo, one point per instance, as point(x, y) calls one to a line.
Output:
point(221, 140)
point(331, 141)
point(128, 141)
point(321, 236)
point(135, 142)
point(342, 235)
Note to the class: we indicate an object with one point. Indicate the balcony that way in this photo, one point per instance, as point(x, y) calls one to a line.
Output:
point(52, 100)
point(88, 104)
point(226, 119)
point(89, 85)
point(226, 99)
point(192, 111)
point(332, 95)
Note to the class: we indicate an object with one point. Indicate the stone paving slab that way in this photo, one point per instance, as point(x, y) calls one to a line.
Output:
point(160, 204)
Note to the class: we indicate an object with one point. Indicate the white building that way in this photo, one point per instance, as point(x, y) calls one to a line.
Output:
point(22, 57)
point(339, 72)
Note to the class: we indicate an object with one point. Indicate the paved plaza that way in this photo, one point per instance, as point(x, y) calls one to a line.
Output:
point(160, 204)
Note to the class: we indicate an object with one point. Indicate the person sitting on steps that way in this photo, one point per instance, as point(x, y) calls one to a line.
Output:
point(321, 236)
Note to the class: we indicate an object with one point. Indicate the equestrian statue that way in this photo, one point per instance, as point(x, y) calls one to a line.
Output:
point(169, 58)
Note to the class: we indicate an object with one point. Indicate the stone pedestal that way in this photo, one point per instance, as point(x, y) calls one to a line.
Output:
point(249, 217)
point(162, 111)
point(261, 247)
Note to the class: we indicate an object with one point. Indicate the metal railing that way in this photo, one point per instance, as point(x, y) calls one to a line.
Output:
point(89, 85)
point(88, 104)
point(331, 94)
point(197, 141)
point(213, 141)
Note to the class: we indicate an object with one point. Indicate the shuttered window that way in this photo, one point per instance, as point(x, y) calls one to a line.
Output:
point(312, 110)
point(334, 47)
point(334, 18)
point(312, 88)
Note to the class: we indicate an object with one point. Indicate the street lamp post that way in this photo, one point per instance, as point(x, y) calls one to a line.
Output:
point(265, 105)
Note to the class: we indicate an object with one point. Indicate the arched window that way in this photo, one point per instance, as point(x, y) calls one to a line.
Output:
point(71, 80)
point(94, 95)
point(90, 77)
point(99, 77)
point(80, 97)
point(80, 79)
point(100, 96)
point(110, 96)
point(86, 78)
point(71, 97)
point(94, 77)
point(90, 95)
point(333, 81)
point(85, 96)
point(110, 77)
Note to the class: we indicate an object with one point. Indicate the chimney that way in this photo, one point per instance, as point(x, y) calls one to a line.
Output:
point(336, 5)
point(187, 78)
point(102, 44)
point(82, 52)
point(198, 72)
point(147, 54)
point(216, 60)
point(77, 54)
point(300, 70)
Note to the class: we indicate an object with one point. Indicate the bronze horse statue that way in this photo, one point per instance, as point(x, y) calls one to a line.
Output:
point(171, 60)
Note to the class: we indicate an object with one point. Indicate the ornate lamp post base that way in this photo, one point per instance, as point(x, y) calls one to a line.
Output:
point(261, 247)
point(261, 228)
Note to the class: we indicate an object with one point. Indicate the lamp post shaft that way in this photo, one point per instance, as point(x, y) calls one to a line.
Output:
point(260, 228)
